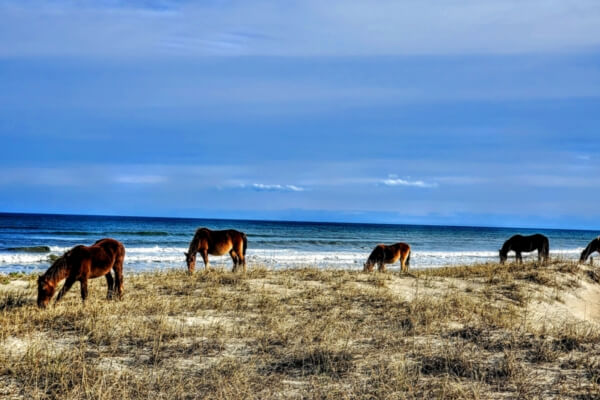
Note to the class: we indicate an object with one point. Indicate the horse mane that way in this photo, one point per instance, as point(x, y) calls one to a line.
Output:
point(377, 254)
point(58, 271)
point(506, 246)
point(194, 243)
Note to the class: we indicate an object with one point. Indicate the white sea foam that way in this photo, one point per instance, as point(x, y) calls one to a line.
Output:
point(140, 258)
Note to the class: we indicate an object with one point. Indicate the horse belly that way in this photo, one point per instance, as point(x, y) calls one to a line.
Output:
point(220, 250)
point(393, 258)
point(99, 270)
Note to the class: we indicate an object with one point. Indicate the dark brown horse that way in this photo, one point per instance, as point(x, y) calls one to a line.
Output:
point(217, 243)
point(80, 264)
point(520, 244)
point(383, 254)
point(592, 247)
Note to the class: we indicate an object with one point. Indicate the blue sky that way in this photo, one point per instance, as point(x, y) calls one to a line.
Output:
point(434, 112)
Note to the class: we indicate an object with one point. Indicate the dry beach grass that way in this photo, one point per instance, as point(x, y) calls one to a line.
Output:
point(486, 331)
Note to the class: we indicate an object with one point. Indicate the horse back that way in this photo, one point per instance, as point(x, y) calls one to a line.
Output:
point(103, 255)
point(401, 247)
point(527, 243)
point(219, 242)
point(388, 254)
point(397, 251)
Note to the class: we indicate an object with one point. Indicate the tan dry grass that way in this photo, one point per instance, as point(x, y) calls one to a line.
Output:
point(461, 332)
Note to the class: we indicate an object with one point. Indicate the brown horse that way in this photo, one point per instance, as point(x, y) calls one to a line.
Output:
point(80, 264)
point(217, 243)
point(593, 246)
point(383, 254)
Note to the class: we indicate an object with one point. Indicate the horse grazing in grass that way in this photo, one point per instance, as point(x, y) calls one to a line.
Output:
point(217, 243)
point(519, 244)
point(383, 254)
point(592, 247)
point(80, 264)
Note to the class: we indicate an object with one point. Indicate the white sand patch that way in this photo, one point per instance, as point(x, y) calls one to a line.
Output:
point(17, 347)
point(16, 285)
point(114, 364)
point(205, 320)
point(582, 303)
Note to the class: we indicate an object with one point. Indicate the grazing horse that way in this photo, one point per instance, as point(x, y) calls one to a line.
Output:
point(383, 254)
point(519, 244)
point(80, 264)
point(217, 243)
point(592, 247)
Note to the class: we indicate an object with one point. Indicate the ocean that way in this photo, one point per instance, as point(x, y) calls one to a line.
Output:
point(27, 241)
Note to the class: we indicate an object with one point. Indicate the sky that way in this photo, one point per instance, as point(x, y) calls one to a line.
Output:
point(420, 112)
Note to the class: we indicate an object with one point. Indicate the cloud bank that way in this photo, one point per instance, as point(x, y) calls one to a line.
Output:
point(392, 180)
point(306, 28)
point(261, 187)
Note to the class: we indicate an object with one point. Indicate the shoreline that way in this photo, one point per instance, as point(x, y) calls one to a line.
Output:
point(152, 259)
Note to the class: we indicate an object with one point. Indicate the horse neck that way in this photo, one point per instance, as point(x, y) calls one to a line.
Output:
point(194, 244)
point(506, 247)
point(593, 246)
point(58, 271)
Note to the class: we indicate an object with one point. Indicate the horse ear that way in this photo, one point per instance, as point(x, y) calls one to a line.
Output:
point(185, 252)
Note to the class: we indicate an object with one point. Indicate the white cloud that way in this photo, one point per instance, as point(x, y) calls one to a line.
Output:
point(274, 188)
point(393, 181)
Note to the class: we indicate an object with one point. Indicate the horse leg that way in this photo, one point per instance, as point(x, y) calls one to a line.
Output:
point(68, 283)
point(381, 267)
point(242, 257)
point(403, 258)
point(235, 260)
point(204, 254)
point(118, 268)
point(111, 285)
point(518, 258)
point(84, 288)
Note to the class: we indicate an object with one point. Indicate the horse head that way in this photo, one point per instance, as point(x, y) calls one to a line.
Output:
point(47, 283)
point(190, 259)
point(46, 290)
point(503, 255)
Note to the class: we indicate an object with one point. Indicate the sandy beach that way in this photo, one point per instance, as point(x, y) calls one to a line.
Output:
point(483, 331)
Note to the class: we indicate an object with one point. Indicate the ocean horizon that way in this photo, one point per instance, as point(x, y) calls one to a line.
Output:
point(28, 242)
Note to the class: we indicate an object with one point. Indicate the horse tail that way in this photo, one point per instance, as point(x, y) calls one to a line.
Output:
point(545, 249)
point(118, 268)
point(587, 251)
point(245, 242)
point(584, 254)
point(120, 257)
point(408, 258)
